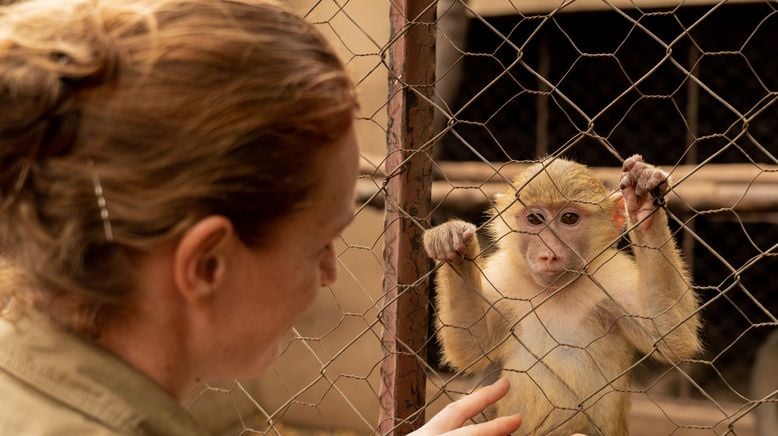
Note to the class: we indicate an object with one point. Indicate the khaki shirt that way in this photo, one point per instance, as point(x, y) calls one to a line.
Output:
point(55, 383)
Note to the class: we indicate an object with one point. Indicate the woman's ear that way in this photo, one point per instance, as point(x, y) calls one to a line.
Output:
point(201, 257)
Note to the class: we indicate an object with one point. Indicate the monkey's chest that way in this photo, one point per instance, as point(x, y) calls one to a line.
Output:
point(558, 367)
point(554, 340)
point(568, 356)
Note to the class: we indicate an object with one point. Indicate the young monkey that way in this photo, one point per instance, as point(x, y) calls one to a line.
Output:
point(560, 308)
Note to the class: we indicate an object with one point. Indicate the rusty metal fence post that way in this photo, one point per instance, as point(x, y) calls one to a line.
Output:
point(408, 168)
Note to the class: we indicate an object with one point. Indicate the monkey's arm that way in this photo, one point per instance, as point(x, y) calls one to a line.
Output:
point(665, 300)
point(468, 325)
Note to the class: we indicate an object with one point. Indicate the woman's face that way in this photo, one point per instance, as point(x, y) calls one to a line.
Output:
point(272, 286)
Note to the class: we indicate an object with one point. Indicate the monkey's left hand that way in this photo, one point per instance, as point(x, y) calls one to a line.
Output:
point(639, 183)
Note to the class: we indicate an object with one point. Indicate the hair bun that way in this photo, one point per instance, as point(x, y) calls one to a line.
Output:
point(43, 65)
point(31, 108)
point(32, 95)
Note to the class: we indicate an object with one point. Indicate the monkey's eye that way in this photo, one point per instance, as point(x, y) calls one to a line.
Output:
point(536, 219)
point(569, 218)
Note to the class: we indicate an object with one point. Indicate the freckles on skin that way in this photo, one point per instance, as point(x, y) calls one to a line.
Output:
point(306, 258)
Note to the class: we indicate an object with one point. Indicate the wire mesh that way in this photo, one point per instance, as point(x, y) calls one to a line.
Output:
point(691, 86)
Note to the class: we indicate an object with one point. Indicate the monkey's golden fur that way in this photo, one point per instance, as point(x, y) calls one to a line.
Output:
point(566, 347)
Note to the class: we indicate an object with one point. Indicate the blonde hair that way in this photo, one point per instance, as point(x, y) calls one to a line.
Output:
point(176, 109)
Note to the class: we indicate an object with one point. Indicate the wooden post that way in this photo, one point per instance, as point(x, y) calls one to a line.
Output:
point(405, 313)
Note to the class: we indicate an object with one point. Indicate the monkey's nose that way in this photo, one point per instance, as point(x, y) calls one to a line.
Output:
point(548, 258)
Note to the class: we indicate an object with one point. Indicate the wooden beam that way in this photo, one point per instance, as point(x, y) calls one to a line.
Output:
point(530, 7)
point(404, 315)
point(470, 186)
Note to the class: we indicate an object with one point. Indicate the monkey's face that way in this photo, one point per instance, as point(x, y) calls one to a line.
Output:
point(553, 242)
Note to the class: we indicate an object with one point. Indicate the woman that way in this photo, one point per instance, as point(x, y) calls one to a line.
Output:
point(172, 176)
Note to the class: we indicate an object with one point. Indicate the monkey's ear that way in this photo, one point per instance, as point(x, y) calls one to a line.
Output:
point(619, 212)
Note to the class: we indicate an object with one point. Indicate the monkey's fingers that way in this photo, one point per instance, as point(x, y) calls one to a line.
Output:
point(631, 177)
point(637, 175)
point(626, 181)
point(468, 234)
point(449, 242)
point(458, 244)
point(432, 244)
point(630, 162)
point(463, 237)
point(448, 245)
point(654, 181)
point(642, 182)
point(457, 236)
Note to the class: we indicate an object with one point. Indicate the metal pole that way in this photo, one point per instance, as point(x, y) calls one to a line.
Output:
point(408, 191)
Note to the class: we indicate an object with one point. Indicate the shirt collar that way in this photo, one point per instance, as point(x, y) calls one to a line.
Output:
point(89, 378)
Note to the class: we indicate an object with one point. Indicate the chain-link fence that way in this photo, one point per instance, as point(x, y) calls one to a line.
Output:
point(692, 87)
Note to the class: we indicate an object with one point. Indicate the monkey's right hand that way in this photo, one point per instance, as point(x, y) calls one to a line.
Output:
point(451, 242)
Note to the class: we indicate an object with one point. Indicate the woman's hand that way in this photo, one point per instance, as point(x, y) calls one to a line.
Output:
point(450, 420)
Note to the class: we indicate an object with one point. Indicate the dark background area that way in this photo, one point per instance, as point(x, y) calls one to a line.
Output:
point(594, 58)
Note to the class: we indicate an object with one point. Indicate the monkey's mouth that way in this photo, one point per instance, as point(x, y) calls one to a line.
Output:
point(555, 278)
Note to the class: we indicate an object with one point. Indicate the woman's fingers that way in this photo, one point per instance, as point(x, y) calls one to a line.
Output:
point(458, 412)
point(497, 427)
